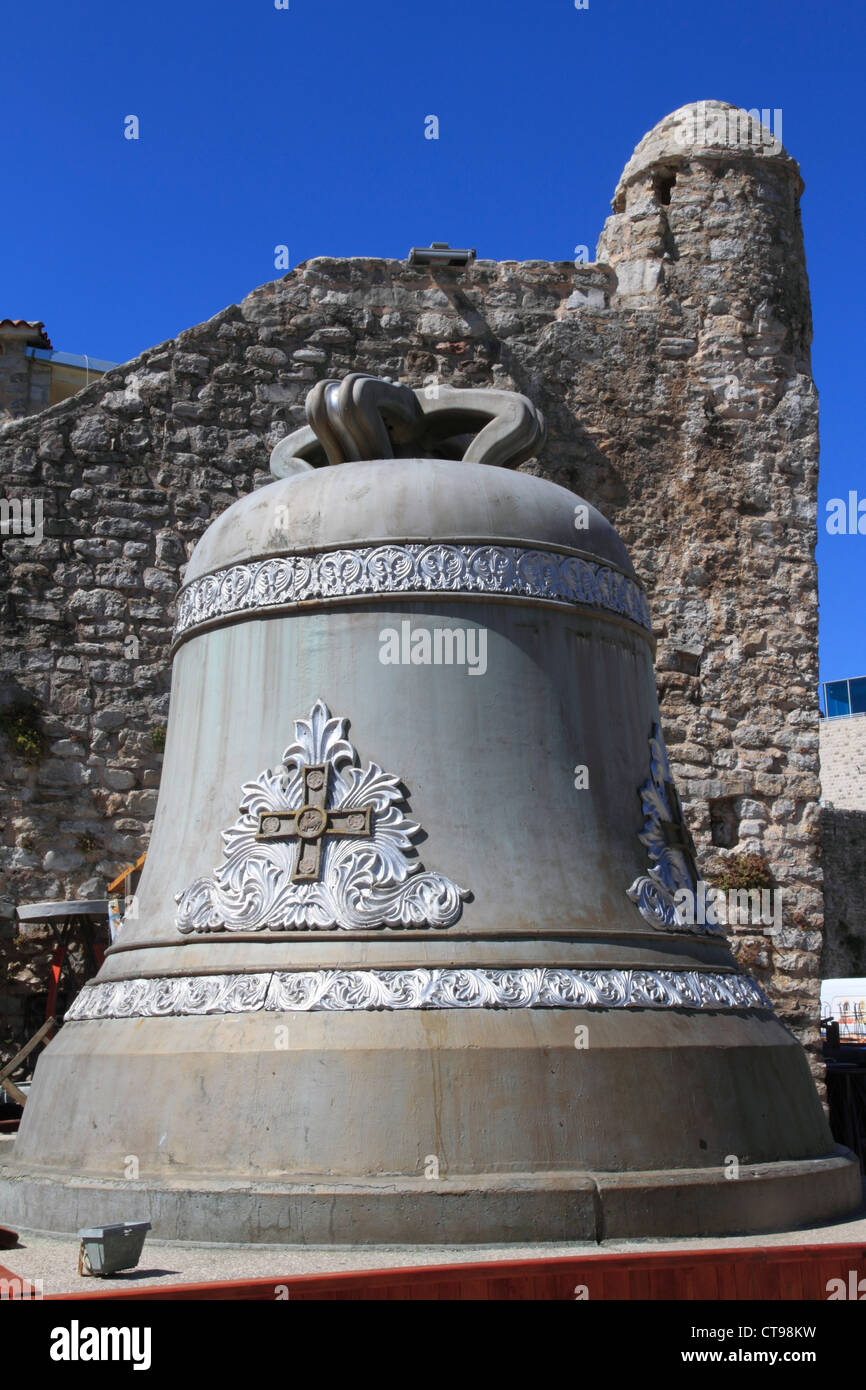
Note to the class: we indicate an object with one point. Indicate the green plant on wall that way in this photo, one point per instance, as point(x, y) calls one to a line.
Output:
point(87, 842)
point(20, 724)
point(743, 871)
point(157, 738)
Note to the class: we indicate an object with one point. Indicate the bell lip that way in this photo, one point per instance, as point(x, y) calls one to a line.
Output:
point(538, 1206)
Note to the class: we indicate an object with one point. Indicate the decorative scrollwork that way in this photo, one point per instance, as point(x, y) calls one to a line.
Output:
point(414, 568)
point(307, 991)
point(364, 881)
point(670, 849)
point(655, 904)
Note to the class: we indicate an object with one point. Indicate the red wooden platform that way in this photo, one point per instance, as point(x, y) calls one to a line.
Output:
point(798, 1272)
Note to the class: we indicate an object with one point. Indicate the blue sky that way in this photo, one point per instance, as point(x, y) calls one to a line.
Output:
point(305, 127)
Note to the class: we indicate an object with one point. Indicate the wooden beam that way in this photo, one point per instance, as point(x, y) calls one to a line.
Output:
point(19, 1058)
point(12, 1090)
point(122, 877)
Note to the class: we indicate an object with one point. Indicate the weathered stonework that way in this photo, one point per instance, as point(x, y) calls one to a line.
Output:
point(674, 375)
point(843, 827)
point(844, 844)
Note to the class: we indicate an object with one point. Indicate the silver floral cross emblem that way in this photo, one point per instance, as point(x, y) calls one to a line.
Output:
point(350, 865)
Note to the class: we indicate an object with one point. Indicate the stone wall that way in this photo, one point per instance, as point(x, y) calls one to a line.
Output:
point(843, 824)
point(844, 836)
point(675, 378)
point(843, 762)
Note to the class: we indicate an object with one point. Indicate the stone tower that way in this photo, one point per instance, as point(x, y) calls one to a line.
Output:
point(706, 242)
point(674, 375)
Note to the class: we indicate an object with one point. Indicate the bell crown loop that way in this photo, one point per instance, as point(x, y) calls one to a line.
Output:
point(363, 417)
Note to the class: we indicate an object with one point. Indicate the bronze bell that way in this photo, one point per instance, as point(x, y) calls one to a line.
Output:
point(411, 959)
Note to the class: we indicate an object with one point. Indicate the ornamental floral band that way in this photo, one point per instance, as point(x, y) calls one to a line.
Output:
point(507, 571)
point(306, 991)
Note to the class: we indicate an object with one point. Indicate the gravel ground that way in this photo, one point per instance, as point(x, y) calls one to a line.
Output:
point(54, 1259)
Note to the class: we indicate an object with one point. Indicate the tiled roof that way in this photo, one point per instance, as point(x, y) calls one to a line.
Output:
point(38, 330)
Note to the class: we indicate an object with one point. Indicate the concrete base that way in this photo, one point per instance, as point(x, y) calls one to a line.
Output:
point(463, 1126)
point(475, 1210)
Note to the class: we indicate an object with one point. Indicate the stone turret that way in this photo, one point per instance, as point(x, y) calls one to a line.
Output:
point(706, 243)
point(708, 206)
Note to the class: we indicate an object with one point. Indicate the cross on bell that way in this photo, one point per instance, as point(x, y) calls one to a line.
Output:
point(313, 820)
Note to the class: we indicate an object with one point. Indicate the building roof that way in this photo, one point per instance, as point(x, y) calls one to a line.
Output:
point(72, 359)
point(38, 336)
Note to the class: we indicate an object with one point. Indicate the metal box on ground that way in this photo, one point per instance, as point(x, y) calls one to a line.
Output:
point(107, 1249)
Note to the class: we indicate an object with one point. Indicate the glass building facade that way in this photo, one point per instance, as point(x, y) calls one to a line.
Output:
point(845, 697)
